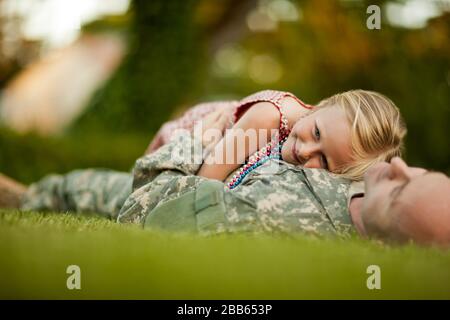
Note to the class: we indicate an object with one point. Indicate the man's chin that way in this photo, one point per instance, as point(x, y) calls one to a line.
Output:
point(371, 175)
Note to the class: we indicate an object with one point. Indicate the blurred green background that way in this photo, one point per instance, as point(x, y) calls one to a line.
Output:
point(179, 53)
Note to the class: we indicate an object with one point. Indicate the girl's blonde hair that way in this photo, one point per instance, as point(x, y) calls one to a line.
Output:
point(377, 129)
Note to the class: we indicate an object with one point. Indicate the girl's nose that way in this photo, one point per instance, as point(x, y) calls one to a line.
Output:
point(307, 150)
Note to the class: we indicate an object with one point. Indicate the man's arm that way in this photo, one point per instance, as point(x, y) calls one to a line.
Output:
point(186, 152)
point(280, 202)
point(170, 171)
point(167, 193)
point(184, 155)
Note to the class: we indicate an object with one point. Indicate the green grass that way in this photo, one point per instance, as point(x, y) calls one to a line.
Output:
point(119, 261)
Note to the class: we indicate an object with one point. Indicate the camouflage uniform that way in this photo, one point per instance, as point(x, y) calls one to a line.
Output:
point(93, 190)
point(164, 193)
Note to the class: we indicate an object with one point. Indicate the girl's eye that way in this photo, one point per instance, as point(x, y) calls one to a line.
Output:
point(317, 133)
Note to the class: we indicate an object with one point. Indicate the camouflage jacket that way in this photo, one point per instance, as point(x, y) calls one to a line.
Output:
point(277, 197)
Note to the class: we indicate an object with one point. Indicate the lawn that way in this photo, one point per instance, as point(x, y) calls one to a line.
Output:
point(119, 261)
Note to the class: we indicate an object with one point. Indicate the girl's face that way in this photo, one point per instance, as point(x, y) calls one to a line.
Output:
point(320, 140)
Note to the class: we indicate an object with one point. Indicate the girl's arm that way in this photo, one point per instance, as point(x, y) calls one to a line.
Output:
point(247, 136)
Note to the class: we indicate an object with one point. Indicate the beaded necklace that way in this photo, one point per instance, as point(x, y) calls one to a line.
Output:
point(272, 150)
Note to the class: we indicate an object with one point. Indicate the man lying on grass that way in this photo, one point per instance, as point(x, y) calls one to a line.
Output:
point(399, 203)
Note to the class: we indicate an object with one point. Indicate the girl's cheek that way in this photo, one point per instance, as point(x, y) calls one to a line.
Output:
point(312, 164)
point(303, 131)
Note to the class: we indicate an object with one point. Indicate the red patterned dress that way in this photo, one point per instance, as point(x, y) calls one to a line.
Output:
point(238, 108)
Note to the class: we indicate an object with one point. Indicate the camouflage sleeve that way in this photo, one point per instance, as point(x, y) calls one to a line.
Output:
point(163, 175)
point(184, 154)
point(167, 195)
point(98, 191)
point(186, 203)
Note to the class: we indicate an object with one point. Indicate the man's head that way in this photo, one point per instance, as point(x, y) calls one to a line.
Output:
point(402, 203)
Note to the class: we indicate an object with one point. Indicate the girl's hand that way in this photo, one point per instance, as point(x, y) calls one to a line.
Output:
point(212, 127)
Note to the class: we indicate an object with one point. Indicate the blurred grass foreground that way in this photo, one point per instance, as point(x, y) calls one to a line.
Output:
point(126, 262)
point(88, 83)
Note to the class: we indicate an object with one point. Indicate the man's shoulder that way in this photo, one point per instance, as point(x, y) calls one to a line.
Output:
point(326, 185)
point(283, 171)
point(324, 178)
point(279, 177)
point(292, 199)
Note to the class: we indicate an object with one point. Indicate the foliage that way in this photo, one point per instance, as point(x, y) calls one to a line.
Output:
point(28, 158)
point(161, 66)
